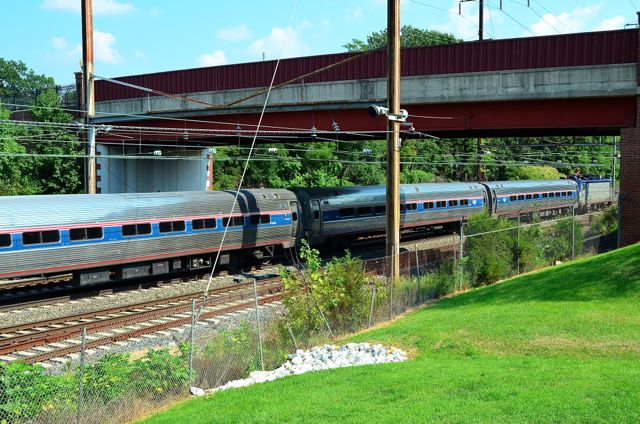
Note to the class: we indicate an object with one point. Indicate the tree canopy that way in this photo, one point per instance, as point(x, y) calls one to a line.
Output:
point(410, 36)
point(36, 159)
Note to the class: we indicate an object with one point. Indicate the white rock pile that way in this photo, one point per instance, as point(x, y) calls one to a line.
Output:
point(322, 358)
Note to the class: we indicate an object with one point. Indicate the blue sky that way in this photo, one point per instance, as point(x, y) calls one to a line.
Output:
point(140, 36)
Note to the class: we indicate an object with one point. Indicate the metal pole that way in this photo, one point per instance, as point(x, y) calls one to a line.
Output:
point(461, 251)
point(191, 340)
point(81, 375)
point(518, 244)
point(481, 20)
point(393, 140)
point(373, 297)
point(87, 67)
point(255, 296)
point(573, 233)
point(419, 276)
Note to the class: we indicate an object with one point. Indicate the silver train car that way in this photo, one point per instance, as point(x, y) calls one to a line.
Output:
point(546, 197)
point(120, 236)
point(346, 212)
point(595, 193)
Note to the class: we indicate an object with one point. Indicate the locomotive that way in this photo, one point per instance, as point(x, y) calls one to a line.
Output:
point(113, 237)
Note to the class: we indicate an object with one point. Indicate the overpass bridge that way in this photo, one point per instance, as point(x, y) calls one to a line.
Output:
point(576, 84)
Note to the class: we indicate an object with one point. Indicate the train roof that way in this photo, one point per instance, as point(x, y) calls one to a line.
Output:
point(381, 189)
point(42, 210)
point(550, 184)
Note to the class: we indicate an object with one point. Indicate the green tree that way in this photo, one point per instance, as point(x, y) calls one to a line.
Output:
point(17, 78)
point(409, 37)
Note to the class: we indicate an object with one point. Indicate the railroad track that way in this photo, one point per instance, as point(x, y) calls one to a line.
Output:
point(41, 341)
point(34, 282)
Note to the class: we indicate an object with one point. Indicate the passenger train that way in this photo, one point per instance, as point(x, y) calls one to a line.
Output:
point(113, 237)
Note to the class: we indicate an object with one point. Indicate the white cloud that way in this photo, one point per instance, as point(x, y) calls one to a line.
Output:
point(353, 13)
point(139, 54)
point(62, 47)
point(59, 43)
point(617, 22)
point(281, 42)
point(240, 32)
point(573, 21)
point(216, 58)
point(100, 7)
point(103, 47)
point(325, 23)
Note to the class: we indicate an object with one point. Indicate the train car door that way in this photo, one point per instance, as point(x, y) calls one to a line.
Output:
point(316, 222)
point(293, 205)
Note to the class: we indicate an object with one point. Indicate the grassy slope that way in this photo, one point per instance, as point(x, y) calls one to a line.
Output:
point(561, 345)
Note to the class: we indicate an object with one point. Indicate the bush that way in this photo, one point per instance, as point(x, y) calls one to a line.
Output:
point(559, 236)
point(337, 296)
point(490, 255)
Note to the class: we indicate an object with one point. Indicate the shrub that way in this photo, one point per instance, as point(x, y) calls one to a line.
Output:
point(491, 254)
point(336, 296)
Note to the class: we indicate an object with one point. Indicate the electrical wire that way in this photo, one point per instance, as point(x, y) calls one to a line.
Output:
point(244, 171)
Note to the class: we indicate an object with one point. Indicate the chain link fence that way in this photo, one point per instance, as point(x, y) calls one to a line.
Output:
point(210, 352)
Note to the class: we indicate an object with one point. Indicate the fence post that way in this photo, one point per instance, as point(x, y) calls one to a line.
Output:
point(389, 283)
point(518, 244)
point(191, 340)
point(373, 297)
point(81, 374)
point(460, 255)
point(255, 296)
point(419, 276)
point(573, 233)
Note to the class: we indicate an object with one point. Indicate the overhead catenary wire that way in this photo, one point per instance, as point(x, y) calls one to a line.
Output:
point(244, 171)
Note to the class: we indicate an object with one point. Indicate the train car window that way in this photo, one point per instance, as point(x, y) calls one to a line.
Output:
point(346, 212)
point(381, 209)
point(143, 229)
point(129, 230)
point(316, 214)
point(136, 229)
point(441, 204)
point(412, 206)
point(513, 198)
point(365, 211)
point(201, 224)
point(265, 219)
point(545, 195)
point(464, 202)
point(428, 205)
point(558, 194)
point(254, 219)
point(402, 207)
point(5, 240)
point(275, 195)
point(90, 233)
point(520, 196)
point(37, 237)
point(529, 196)
point(236, 221)
point(171, 226)
point(453, 203)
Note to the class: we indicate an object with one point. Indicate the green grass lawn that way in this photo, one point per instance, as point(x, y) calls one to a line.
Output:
point(560, 345)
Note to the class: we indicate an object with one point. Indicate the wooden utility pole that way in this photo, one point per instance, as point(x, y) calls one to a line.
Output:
point(393, 140)
point(90, 112)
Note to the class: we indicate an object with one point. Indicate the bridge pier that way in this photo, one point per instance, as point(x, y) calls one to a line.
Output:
point(629, 201)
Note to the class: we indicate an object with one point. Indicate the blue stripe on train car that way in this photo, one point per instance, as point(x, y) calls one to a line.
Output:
point(114, 233)
point(334, 214)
